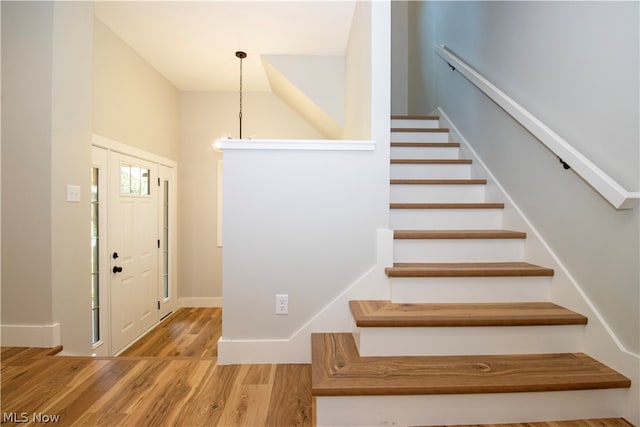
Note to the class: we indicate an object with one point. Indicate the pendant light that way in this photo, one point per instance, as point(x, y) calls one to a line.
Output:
point(241, 55)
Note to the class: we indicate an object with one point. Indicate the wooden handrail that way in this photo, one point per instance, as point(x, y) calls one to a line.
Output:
point(568, 155)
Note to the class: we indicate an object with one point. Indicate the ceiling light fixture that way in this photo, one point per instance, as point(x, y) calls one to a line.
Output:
point(240, 54)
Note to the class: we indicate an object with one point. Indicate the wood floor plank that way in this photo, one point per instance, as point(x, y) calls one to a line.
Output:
point(247, 404)
point(205, 405)
point(189, 332)
point(291, 398)
point(96, 380)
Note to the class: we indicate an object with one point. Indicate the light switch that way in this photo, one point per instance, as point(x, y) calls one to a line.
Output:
point(73, 193)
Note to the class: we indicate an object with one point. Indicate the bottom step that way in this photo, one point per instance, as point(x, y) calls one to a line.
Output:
point(464, 409)
point(428, 390)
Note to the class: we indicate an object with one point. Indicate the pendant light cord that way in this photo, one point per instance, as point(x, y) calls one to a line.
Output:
point(240, 55)
point(240, 114)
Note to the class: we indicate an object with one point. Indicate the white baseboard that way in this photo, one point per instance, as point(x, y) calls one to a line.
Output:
point(335, 317)
point(200, 302)
point(45, 336)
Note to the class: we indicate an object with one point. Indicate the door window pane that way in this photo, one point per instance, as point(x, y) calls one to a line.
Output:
point(134, 180)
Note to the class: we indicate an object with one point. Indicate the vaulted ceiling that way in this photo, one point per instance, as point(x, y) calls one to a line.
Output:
point(193, 43)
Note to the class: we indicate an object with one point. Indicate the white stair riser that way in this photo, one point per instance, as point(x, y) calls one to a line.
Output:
point(414, 123)
point(469, 289)
point(447, 341)
point(437, 193)
point(445, 219)
point(425, 152)
point(454, 409)
point(419, 136)
point(421, 171)
point(458, 250)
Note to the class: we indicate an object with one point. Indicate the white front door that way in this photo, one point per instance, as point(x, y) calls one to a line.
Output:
point(134, 248)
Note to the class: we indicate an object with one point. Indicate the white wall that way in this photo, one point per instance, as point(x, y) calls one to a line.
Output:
point(306, 223)
point(296, 223)
point(46, 132)
point(575, 66)
point(205, 117)
point(132, 102)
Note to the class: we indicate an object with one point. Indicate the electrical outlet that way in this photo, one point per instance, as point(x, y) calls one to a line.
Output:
point(282, 304)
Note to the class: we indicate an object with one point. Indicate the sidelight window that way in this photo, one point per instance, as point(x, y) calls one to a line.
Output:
point(95, 257)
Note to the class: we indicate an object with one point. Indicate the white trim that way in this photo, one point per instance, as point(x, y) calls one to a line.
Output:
point(110, 144)
point(293, 144)
point(592, 174)
point(45, 336)
point(336, 317)
point(200, 302)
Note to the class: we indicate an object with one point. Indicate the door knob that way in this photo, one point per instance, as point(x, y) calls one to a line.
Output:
point(117, 269)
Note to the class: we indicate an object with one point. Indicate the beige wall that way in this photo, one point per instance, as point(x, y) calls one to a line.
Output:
point(206, 116)
point(133, 103)
point(46, 129)
point(357, 79)
point(26, 159)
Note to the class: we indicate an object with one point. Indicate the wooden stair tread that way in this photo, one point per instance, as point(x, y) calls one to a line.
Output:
point(430, 161)
point(338, 370)
point(446, 205)
point(427, 144)
point(438, 182)
point(414, 117)
point(426, 130)
point(458, 234)
point(466, 269)
point(381, 313)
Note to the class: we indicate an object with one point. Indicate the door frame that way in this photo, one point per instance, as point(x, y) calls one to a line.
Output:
point(169, 171)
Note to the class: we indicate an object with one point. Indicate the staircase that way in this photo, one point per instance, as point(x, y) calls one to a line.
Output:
point(468, 336)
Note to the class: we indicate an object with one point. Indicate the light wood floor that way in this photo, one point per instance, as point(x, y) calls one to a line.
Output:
point(192, 332)
point(168, 378)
